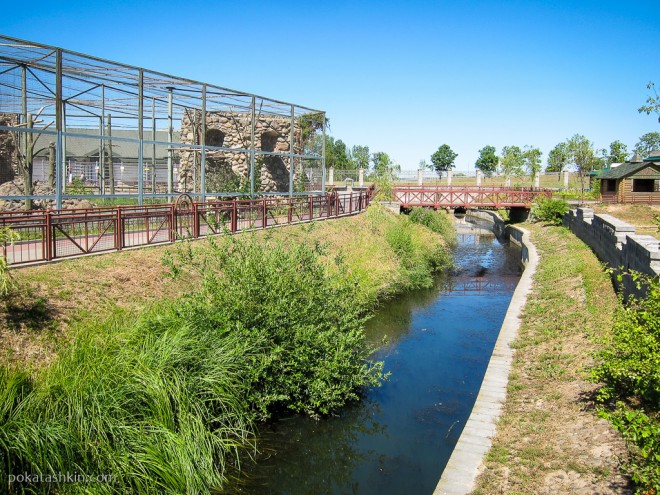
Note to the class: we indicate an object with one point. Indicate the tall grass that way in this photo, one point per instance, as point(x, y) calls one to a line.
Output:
point(165, 400)
point(157, 403)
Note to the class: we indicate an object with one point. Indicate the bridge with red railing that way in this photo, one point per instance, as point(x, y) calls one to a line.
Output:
point(468, 196)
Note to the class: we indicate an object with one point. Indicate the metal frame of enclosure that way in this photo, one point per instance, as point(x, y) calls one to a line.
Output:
point(52, 234)
point(108, 129)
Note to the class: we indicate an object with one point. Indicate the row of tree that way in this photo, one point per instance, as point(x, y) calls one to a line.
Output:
point(340, 157)
point(576, 151)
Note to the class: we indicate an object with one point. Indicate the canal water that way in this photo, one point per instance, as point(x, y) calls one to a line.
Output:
point(398, 439)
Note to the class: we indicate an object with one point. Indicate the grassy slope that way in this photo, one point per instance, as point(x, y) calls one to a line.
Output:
point(57, 295)
point(129, 382)
point(549, 439)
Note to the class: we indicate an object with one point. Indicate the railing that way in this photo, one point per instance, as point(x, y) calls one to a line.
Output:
point(468, 196)
point(53, 234)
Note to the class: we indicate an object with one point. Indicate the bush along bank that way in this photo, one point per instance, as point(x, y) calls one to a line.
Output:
point(165, 401)
point(629, 370)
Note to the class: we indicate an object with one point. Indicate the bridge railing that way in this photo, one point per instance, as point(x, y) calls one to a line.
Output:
point(468, 196)
point(45, 235)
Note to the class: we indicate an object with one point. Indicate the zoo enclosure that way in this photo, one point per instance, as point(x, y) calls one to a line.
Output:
point(87, 126)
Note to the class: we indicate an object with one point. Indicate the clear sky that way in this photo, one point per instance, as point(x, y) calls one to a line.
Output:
point(400, 77)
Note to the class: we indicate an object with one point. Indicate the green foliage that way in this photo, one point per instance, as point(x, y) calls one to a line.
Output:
point(642, 436)
point(549, 210)
point(152, 400)
point(443, 159)
point(77, 186)
point(512, 161)
point(618, 152)
point(315, 356)
point(558, 158)
point(433, 220)
point(629, 371)
point(652, 102)
point(417, 263)
point(631, 362)
point(488, 160)
point(385, 171)
point(532, 157)
point(647, 143)
point(7, 284)
point(360, 157)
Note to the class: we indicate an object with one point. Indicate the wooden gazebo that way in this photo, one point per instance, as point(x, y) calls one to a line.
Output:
point(636, 181)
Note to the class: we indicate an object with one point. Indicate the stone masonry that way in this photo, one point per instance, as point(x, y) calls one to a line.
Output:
point(7, 148)
point(229, 170)
point(616, 243)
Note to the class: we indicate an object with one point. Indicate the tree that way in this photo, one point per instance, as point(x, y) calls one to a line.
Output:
point(385, 169)
point(532, 159)
point(558, 158)
point(341, 155)
point(25, 153)
point(488, 160)
point(423, 165)
point(652, 102)
point(618, 153)
point(582, 155)
point(360, 155)
point(647, 143)
point(512, 161)
point(443, 159)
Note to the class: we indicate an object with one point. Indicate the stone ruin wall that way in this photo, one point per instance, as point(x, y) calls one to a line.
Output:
point(231, 130)
point(8, 162)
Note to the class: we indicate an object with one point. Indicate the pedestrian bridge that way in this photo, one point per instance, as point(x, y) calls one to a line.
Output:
point(468, 196)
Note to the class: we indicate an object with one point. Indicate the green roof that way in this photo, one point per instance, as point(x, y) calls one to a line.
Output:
point(624, 170)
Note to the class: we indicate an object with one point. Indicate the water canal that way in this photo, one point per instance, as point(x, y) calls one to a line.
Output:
point(400, 437)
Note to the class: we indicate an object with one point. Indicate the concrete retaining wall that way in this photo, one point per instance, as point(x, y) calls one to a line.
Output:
point(616, 243)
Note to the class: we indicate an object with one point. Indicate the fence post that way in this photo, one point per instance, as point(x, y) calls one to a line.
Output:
point(361, 177)
point(350, 204)
point(290, 214)
point(311, 206)
point(196, 227)
point(234, 215)
point(331, 176)
point(449, 176)
point(264, 217)
point(172, 223)
point(328, 203)
point(420, 177)
point(119, 230)
point(49, 236)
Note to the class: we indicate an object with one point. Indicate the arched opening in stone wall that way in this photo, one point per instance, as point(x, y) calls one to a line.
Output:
point(274, 173)
point(269, 140)
point(215, 137)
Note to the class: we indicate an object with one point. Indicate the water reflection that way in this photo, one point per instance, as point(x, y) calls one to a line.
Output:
point(399, 438)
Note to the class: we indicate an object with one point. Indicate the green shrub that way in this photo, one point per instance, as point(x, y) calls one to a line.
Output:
point(435, 221)
point(316, 356)
point(549, 210)
point(630, 363)
point(642, 436)
point(629, 371)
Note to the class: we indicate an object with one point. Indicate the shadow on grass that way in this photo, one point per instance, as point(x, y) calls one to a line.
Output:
point(23, 309)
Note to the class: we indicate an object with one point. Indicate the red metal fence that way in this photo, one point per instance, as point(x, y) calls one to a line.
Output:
point(468, 197)
point(52, 234)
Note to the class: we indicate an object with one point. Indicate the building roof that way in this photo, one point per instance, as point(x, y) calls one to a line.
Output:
point(626, 170)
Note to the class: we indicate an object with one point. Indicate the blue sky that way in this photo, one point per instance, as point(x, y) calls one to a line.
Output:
point(400, 77)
